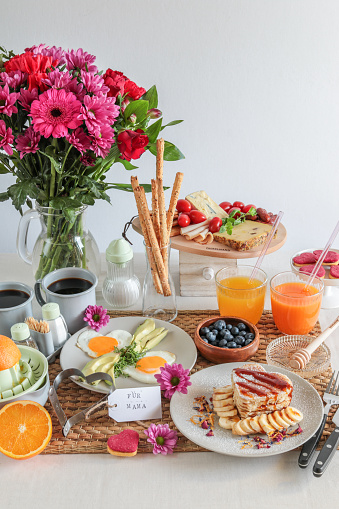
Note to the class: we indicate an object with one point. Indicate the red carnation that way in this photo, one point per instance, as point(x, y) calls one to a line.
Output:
point(132, 144)
point(34, 65)
point(115, 81)
point(133, 91)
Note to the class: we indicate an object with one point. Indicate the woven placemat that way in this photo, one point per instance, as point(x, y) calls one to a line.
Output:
point(91, 436)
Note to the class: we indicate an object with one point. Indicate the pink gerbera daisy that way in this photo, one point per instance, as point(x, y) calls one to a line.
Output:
point(28, 142)
point(6, 138)
point(173, 378)
point(94, 83)
point(98, 111)
point(80, 59)
point(96, 317)
point(102, 141)
point(13, 78)
point(7, 101)
point(162, 437)
point(55, 112)
point(79, 139)
point(27, 97)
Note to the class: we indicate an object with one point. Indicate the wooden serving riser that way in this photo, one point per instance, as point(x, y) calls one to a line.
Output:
point(198, 263)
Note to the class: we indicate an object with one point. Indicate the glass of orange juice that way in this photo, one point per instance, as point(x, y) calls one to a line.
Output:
point(295, 308)
point(239, 297)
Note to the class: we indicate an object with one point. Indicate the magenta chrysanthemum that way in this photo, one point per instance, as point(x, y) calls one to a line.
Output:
point(26, 98)
point(79, 139)
point(7, 101)
point(98, 111)
point(55, 112)
point(96, 317)
point(6, 138)
point(162, 437)
point(173, 378)
point(87, 160)
point(58, 79)
point(80, 59)
point(28, 142)
point(54, 52)
point(94, 83)
point(13, 79)
point(102, 141)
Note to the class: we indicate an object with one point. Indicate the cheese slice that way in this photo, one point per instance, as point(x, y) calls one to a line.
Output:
point(201, 201)
point(245, 236)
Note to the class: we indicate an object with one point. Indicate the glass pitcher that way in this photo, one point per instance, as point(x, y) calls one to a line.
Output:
point(61, 243)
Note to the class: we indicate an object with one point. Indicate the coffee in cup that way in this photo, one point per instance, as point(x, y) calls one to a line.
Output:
point(73, 289)
point(15, 304)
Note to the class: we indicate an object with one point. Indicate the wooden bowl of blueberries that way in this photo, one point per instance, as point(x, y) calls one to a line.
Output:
point(226, 339)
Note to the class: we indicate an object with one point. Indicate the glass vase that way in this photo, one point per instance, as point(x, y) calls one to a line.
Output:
point(155, 304)
point(61, 243)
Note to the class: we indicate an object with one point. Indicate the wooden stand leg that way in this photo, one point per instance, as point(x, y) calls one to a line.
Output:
point(197, 274)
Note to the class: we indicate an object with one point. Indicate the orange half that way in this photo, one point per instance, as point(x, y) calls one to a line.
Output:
point(25, 429)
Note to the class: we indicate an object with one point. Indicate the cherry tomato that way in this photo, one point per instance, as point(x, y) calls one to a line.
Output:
point(237, 214)
point(197, 217)
point(184, 206)
point(226, 205)
point(184, 220)
point(239, 204)
point(215, 224)
point(246, 208)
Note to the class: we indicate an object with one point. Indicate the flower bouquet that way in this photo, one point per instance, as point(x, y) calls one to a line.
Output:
point(63, 124)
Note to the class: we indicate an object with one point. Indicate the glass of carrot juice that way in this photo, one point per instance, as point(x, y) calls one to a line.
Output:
point(295, 307)
point(239, 297)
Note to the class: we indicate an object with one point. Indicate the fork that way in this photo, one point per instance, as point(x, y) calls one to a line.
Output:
point(331, 398)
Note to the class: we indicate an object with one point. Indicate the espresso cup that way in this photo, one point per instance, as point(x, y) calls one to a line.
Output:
point(15, 305)
point(73, 289)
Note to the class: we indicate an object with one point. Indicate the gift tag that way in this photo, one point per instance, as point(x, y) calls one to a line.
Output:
point(140, 404)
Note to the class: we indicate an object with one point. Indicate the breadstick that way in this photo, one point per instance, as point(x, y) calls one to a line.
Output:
point(160, 158)
point(163, 225)
point(153, 242)
point(155, 208)
point(153, 267)
point(173, 202)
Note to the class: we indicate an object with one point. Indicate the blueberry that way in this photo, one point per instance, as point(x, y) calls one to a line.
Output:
point(223, 333)
point(241, 326)
point(230, 337)
point(250, 336)
point(248, 341)
point(215, 331)
point(229, 326)
point(204, 331)
point(211, 327)
point(210, 336)
point(222, 343)
point(204, 339)
point(220, 324)
point(240, 340)
point(232, 344)
point(242, 333)
point(235, 331)
point(214, 343)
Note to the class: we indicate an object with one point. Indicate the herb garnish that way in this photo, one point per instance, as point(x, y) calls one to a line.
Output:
point(128, 357)
point(230, 221)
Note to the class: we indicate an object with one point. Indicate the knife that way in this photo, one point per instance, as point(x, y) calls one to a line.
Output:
point(328, 450)
point(310, 446)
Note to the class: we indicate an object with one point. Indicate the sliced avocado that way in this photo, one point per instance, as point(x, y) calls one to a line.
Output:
point(145, 328)
point(111, 372)
point(141, 344)
point(97, 365)
point(156, 340)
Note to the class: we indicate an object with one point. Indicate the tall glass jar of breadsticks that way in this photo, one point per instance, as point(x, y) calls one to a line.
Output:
point(159, 300)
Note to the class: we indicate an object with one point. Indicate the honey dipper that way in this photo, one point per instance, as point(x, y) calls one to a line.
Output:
point(301, 357)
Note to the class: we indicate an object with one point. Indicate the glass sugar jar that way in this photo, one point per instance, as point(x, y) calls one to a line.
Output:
point(121, 287)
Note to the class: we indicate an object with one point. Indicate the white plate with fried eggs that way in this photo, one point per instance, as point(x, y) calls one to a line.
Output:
point(86, 344)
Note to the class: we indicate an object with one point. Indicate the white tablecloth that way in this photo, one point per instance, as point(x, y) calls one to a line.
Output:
point(205, 480)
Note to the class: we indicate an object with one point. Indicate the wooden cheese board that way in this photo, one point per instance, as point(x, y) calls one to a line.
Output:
point(217, 250)
point(199, 263)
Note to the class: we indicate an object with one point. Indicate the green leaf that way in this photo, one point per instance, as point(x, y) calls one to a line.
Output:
point(128, 166)
point(171, 152)
point(50, 154)
point(4, 196)
point(21, 191)
point(87, 199)
point(62, 202)
point(152, 97)
point(3, 169)
point(128, 187)
point(174, 122)
point(139, 108)
point(69, 214)
point(154, 130)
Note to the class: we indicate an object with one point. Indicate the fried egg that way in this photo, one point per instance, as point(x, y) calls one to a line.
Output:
point(149, 365)
point(95, 345)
